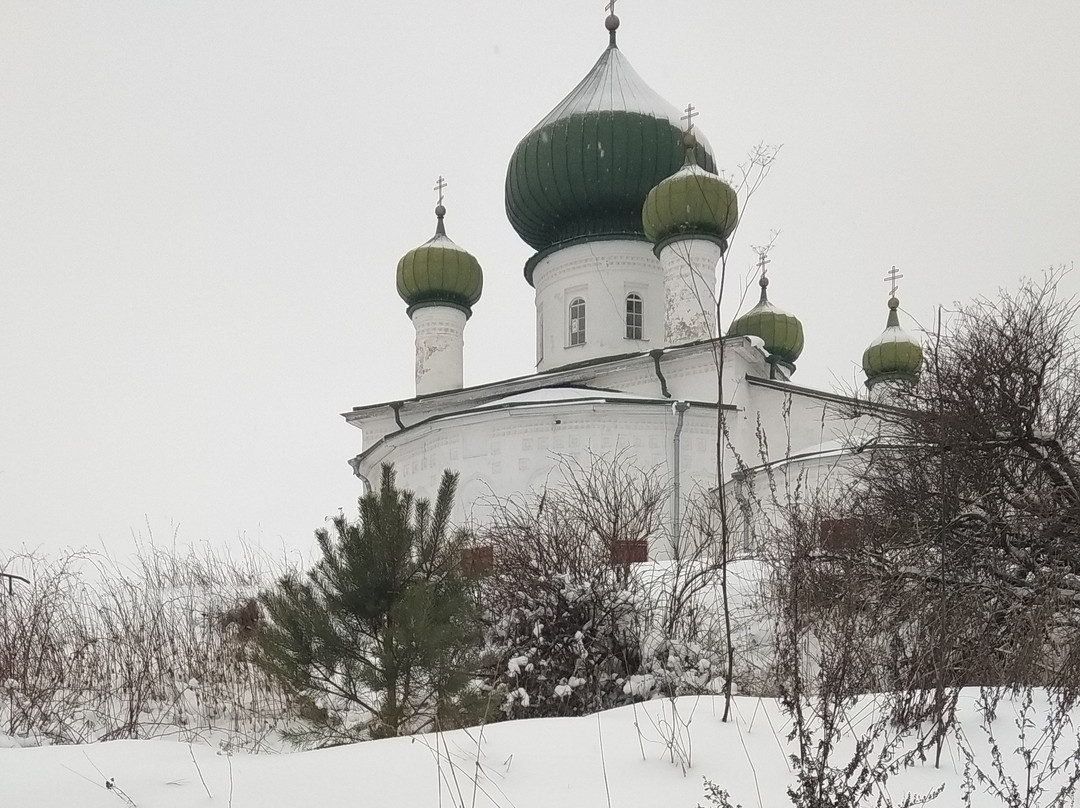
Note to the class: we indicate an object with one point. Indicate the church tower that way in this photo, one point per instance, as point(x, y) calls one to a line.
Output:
point(440, 283)
point(689, 217)
point(575, 188)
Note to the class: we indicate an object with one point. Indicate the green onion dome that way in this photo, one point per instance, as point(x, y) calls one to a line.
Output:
point(895, 354)
point(439, 273)
point(781, 332)
point(584, 171)
point(692, 201)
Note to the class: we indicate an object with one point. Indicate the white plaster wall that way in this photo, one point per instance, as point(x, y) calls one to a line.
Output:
point(791, 423)
point(507, 452)
point(689, 290)
point(440, 346)
point(374, 427)
point(691, 373)
point(689, 370)
point(761, 506)
point(603, 273)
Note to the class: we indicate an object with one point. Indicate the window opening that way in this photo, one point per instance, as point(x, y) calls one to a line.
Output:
point(577, 321)
point(635, 316)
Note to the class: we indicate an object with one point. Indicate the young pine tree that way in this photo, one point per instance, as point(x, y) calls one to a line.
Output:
point(378, 638)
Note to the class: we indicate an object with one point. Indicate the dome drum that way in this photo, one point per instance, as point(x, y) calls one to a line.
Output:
point(442, 302)
point(538, 258)
point(679, 235)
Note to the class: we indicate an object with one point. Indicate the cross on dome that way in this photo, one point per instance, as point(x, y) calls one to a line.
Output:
point(762, 262)
point(688, 118)
point(610, 7)
point(893, 276)
point(439, 185)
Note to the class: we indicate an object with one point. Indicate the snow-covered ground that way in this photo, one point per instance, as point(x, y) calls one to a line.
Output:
point(655, 753)
point(652, 754)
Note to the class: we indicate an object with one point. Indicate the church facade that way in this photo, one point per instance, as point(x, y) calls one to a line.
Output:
point(619, 197)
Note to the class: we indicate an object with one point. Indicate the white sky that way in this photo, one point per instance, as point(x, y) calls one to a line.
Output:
point(202, 205)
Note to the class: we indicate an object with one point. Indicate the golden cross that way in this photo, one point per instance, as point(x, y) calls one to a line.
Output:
point(439, 187)
point(893, 276)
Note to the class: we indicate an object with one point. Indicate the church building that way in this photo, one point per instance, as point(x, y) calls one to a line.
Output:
point(618, 194)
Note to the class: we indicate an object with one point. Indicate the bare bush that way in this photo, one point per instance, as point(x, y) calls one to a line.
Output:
point(968, 512)
point(91, 650)
point(1043, 740)
point(830, 658)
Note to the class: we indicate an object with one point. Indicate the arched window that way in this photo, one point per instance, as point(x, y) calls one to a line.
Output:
point(577, 321)
point(635, 316)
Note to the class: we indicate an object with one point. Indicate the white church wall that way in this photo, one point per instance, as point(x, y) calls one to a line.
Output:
point(602, 274)
point(375, 426)
point(763, 503)
point(689, 374)
point(795, 421)
point(499, 453)
point(508, 438)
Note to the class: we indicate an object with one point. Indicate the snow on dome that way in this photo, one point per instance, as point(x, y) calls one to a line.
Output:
point(614, 85)
point(894, 354)
point(585, 170)
point(442, 240)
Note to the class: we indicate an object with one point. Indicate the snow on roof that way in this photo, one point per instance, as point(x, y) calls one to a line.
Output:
point(548, 395)
point(819, 451)
point(443, 240)
point(835, 446)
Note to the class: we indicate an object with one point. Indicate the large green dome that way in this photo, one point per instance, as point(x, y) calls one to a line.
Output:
point(692, 201)
point(895, 355)
point(586, 168)
point(439, 272)
point(781, 332)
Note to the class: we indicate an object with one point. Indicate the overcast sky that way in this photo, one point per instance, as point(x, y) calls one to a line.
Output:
point(202, 205)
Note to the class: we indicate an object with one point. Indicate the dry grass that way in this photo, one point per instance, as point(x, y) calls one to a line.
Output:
point(95, 650)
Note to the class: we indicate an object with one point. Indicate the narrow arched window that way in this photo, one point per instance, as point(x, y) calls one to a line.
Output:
point(577, 321)
point(635, 316)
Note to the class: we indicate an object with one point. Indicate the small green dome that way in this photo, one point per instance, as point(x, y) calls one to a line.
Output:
point(895, 355)
point(781, 332)
point(439, 272)
point(692, 201)
point(586, 168)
